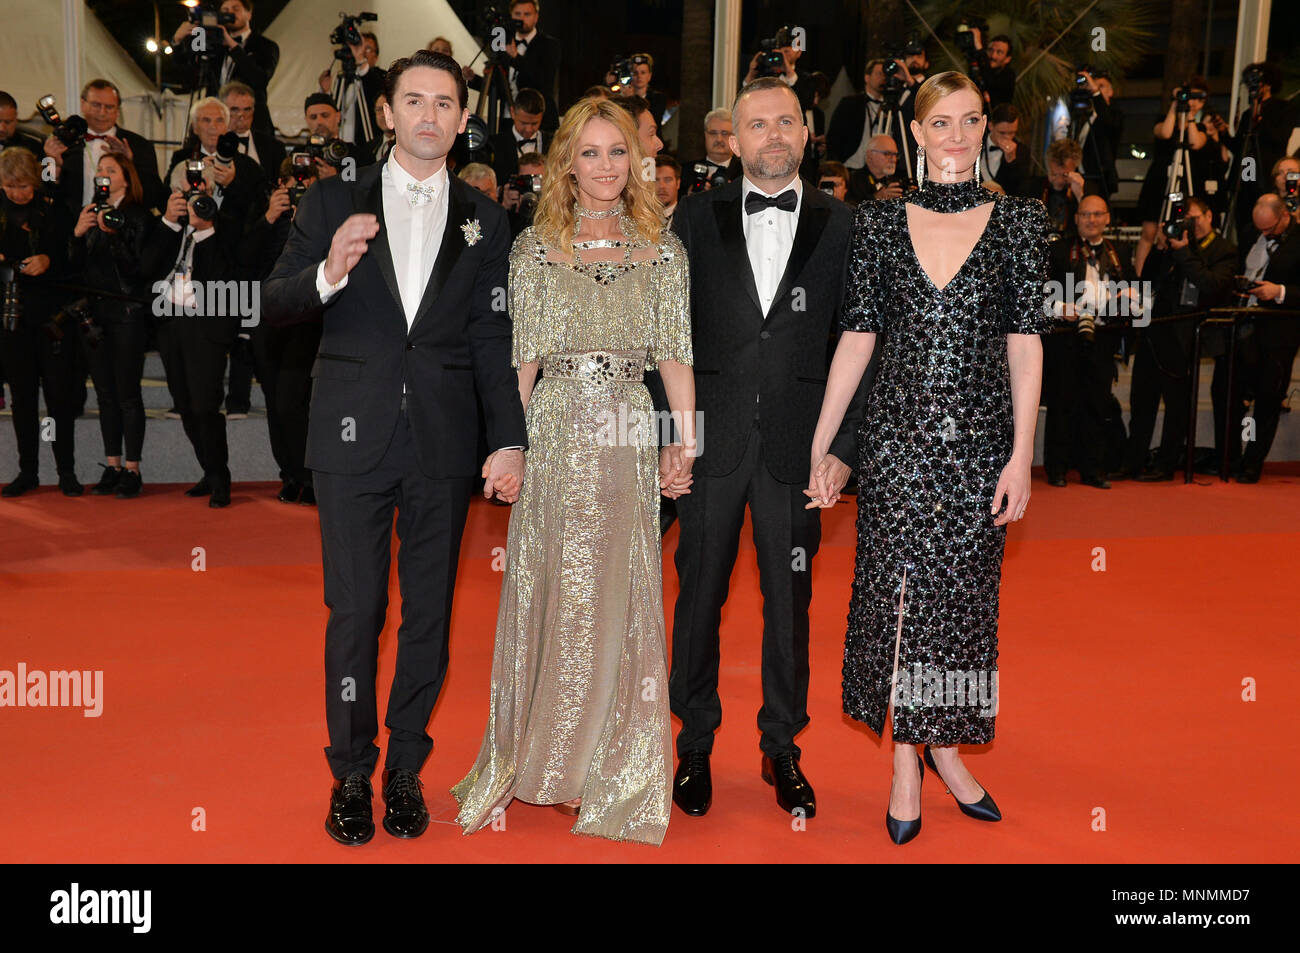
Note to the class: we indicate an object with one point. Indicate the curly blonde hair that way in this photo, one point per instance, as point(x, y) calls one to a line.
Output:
point(554, 218)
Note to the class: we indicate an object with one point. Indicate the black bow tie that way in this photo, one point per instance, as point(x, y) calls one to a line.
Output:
point(523, 142)
point(787, 201)
point(243, 141)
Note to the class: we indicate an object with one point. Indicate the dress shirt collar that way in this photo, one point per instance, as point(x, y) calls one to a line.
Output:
point(401, 178)
point(797, 185)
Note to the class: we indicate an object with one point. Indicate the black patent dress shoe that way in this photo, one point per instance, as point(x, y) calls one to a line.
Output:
point(289, 492)
point(982, 810)
point(1092, 479)
point(69, 485)
point(1056, 479)
point(107, 484)
point(21, 484)
point(693, 784)
point(308, 495)
point(220, 493)
point(405, 814)
point(202, 488)
point(793, 792)
point(900, 832)
point(350, 820)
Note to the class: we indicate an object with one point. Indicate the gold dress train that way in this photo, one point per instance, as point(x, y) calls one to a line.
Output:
point(579, 702)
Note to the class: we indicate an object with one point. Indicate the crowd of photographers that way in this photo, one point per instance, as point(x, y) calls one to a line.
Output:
point(105, 256)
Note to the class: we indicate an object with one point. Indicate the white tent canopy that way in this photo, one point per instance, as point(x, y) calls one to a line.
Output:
point(303, 28)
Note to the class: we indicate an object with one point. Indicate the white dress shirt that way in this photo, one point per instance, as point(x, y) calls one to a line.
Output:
point(1257, 263)
point(769, 236)
point(94, 149)
point(228, 62)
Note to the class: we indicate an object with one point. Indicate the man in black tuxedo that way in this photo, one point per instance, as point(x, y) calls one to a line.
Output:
point(1266, 347)
point(861, 116)
point(768, 259)
point(100, 104)
point(260, 146)
point(236, 182)
point(535, 61)
point(524, 135)
point(393, 422)
point(354, 97)
point(233, 53)
point(718, 157)
point(1005, 158)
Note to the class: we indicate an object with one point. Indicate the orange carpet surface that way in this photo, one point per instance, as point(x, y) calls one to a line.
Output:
point(1126, 731)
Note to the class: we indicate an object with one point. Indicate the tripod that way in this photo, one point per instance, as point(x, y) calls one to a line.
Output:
point(1180, 166)
point(893, 124)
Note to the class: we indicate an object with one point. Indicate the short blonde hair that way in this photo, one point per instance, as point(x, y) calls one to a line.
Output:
point(19, 164)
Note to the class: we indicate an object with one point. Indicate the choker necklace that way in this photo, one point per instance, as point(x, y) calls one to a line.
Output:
point(949, 196)
point(580, 212)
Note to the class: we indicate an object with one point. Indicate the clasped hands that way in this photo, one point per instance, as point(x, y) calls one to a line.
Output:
point(675, 471)
point(826, 478)
point(503, 474)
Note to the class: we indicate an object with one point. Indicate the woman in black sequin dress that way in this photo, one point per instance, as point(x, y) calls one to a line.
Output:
point(946, 445)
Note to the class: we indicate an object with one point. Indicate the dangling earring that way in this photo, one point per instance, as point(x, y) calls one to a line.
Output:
point(977, 170)
point(920, 166)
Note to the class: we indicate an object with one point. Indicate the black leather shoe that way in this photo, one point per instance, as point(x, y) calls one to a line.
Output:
point(129, 484)
point(1248, 475)
point(289, 492)
point(900, 832)
point(693, 784)
point(793, 792)
point(982, 810)
point(308, 495)
point(1123, 473)
point(107, 484)
point(1093, 479)
point(70, 485)
point(22, 483)
point(406, 814)
point(220, 493)
point(350, 820)
point(1155, 474)
point(202, 488)
point(1056, 479)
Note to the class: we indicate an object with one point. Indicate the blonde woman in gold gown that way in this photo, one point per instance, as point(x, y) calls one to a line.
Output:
point(599, 293)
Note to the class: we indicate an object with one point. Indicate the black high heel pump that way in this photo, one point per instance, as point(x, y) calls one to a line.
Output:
point(900, 832)
point(982, 810)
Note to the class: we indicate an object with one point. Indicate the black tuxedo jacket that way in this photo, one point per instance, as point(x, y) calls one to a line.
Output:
point(1066, 259)
point(538, 67)
point(270, 153)
point(505, 153)
point(458, 340)
point(363, 110)
point(780, 359)
point(213, 260)
point(146, 164)
point(1283, 269)
point(254, 64)
point(1010, 175)
point(244, 191)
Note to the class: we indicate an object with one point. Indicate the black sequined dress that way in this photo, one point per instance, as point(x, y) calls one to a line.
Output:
point(936, 435)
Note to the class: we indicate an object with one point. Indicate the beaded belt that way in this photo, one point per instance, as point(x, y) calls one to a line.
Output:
point(599, 367)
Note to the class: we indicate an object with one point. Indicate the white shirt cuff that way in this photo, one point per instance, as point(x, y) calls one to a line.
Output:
point(1281, 293)
point(324, 288)
point(170, 224)
point(499, 449)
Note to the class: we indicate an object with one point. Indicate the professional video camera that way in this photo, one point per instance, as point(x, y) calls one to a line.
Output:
point(771, 61)
point(205, 206)
point(302, 169)
point(966, 38)
point(70, 132)
point(332, 151)
point(347, 35)
point(113, 218)
point(209, 23)
point(499, 25)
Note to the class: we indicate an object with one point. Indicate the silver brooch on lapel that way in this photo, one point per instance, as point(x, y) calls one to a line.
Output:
point(472, 232)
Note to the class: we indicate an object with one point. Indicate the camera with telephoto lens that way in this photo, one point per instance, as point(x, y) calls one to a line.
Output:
point(499, 28)
point(227, 147)
point(1289, 191)
point(11, 303)
point(1253, 77)
point(113, 218)
point(529, 187)
point(347, 35)
point(303, 170)
point(78, 314)
point(771, 61)
point(1080, 94)
point(1086, 326)
point(621, 70)
point(966, 37)
point(332, 151)
point(1175, 226)
point(70, 132)
point(204, 205)
point(702, 178)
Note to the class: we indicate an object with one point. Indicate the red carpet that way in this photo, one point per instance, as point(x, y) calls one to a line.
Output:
point(1121, 691)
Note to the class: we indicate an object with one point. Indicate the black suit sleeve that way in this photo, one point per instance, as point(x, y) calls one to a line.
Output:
point(490, 341)
point(289, 295)
point(840, 140)
point(255, 65)
point(539, 65)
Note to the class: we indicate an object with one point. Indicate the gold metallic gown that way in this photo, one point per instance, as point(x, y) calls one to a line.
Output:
point(579, 704)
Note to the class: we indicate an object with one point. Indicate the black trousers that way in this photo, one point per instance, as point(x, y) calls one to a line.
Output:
point(1077, 376)
point(1262, 370)
point(116, 366)
point(243, 364)
point(196, 365)
point(356, 525)
point(1162, 369)
point(787, 537)
point(32, 362)
point(283, 358)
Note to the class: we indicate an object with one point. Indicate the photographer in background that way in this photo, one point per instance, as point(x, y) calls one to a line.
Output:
point(999, 74)
point(75, 164)
point(38, 341)
point(1269, 262)
point(260, 146)
point(1062, 189)
point(833, 179)
point(879, 180)
point(534, 57)
point(322, 119)
point(643, 68)
point(283, 354)
point(1099, 133)
point(519, 193)
point(241, 56)
point(106, 252)
point(1006, 158)
point(355, 90)
point(234, 180)
point(861, 117)
point(1079, 362)
point(11, 134)
point(479, 176)
point(524, 134)
point(1190, 271)
point(1263, 130)
point(378, 148)
point(720, 164)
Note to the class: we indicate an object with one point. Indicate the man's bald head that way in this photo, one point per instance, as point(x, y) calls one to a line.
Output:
point(1093, 217)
